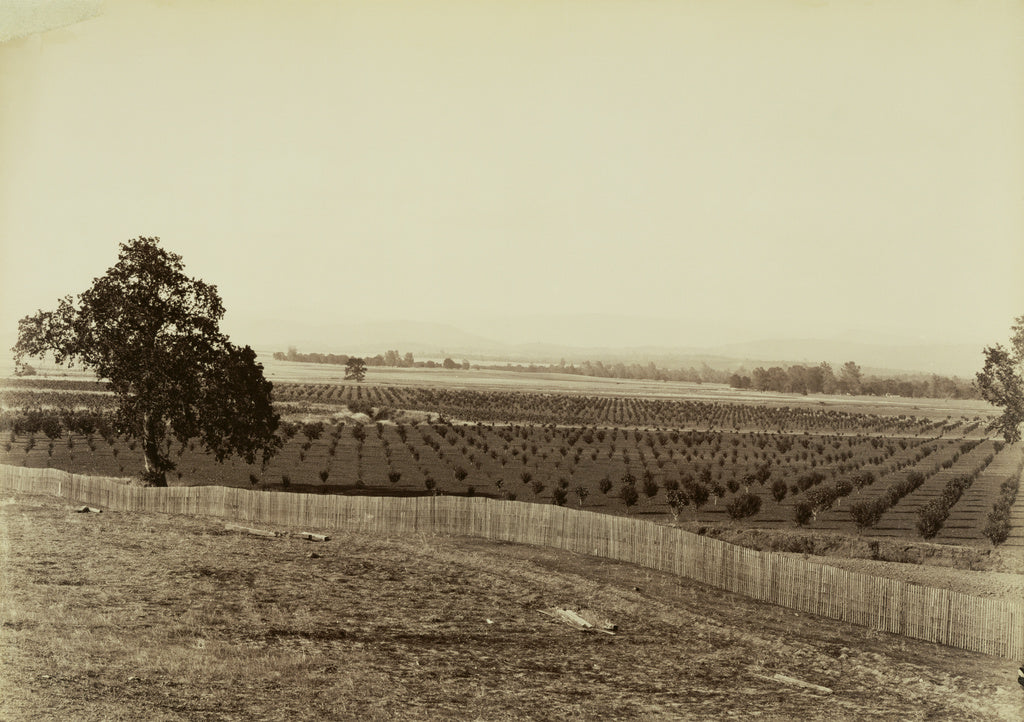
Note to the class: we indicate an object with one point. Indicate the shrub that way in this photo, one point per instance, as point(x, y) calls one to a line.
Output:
point(394, 476)
point(779, 490)
point(651, 487)
point(914, 479)
point(360, 406)
point(676, 501)
point(806, 481)
point(821, 498)
point(629, 495)
point(803, 513)
point(313, 430)
point(743, 506)
point(605, 485)
point(50, 425)
point(930, 518)
point(997, 530)
point(866, 513)
point(698, 493)
point(581, 494)
point(862, 479)
point(559, 496)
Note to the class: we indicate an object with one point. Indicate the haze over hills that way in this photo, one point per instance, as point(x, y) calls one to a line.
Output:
point(576, 339)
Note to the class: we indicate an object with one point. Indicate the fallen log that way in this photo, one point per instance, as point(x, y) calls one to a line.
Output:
point(88, 510)
point(250, 530)
point(314, 537)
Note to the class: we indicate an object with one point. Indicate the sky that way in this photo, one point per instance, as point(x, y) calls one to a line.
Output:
point(705, 171)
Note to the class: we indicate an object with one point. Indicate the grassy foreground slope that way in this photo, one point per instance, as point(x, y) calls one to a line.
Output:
point(136, 616)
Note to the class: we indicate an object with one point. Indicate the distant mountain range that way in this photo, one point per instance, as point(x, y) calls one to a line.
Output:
point(876, 354)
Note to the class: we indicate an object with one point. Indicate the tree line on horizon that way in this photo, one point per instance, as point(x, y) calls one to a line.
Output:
point(796, 379)
point(821, 379)
point(390, 358)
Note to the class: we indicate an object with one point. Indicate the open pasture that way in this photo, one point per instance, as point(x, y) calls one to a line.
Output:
point(154, 616)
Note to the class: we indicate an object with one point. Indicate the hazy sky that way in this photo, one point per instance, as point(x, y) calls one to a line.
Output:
point(775, 166)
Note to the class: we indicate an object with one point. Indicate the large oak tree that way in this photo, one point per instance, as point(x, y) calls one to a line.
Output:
point(154, 333)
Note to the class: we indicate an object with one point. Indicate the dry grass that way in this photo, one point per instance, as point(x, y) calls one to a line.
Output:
point(136, 616)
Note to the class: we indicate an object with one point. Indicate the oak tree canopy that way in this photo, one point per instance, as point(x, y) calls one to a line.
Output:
point(154, 334)
point(1001, 382)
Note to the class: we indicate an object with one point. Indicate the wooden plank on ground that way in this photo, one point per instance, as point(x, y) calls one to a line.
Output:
point(794, 682)
point(314, 537)
point(576, 621)
point(250, 530)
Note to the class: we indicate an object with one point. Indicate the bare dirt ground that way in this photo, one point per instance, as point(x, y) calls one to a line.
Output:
point(145, 616)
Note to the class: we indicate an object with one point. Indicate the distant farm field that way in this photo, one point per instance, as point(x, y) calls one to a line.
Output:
point(499, 380)
point(689, 455)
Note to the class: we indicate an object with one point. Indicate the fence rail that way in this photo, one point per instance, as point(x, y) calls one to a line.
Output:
point(990, 626)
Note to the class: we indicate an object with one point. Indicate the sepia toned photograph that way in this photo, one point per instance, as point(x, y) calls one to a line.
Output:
point(511, 360)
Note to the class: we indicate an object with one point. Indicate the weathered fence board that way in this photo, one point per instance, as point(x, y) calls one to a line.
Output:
point(990, 626)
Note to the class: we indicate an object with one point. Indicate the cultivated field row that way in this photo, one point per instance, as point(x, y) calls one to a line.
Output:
point(523, 406)
point(629, 411)
point(658, 474)
point(693, 460)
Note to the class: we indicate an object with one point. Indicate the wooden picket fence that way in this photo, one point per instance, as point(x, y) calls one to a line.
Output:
point(990, 626)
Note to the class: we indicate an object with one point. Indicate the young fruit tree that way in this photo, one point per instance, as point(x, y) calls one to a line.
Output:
point(1001, 382)
point(154, 334)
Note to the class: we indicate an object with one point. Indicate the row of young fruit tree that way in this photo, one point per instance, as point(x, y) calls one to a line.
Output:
point(680, 460)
